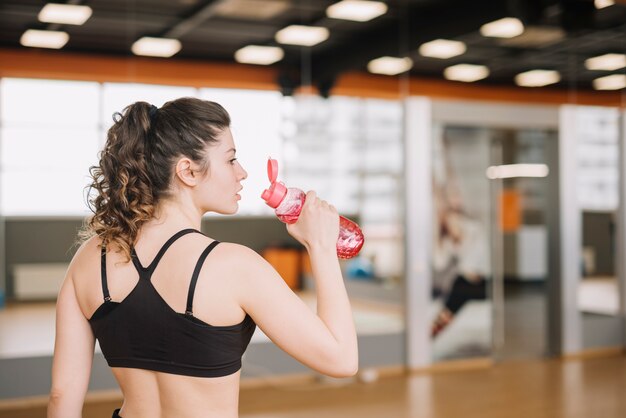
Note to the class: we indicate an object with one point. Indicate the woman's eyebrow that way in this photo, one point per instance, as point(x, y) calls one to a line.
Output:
point(232, 149)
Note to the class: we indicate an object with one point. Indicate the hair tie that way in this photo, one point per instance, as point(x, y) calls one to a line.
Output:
point(153, 113)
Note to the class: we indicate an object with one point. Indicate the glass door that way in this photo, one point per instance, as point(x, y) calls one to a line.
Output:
point(490, 243)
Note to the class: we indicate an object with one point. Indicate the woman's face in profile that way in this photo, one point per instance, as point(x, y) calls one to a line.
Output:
point(219, 189)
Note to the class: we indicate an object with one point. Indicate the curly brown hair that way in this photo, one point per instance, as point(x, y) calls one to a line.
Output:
point(136, 166)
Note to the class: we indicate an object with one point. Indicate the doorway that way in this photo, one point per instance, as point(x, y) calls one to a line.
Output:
point(491, 274)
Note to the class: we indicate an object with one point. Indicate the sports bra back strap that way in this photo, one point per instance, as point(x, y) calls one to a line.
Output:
point(168, 243)
point(194, 277)
point(103, 273)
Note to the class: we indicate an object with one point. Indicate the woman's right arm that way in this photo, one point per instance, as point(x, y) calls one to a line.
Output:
point(325, 341)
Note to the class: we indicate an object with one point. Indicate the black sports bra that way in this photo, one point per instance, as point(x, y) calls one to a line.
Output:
point(144, 332)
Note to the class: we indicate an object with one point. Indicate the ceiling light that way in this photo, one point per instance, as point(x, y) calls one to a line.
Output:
point(68, 14)
point(262, 55)
point(507, 27)
point(358, 10)
point(389, 65)
point(466, 72)
point(156, 47)
point(517, 170)
point(44, 38)
point(250, 9)
point(302, 35)
point(601, 4)
point(537, 78)
point(608, 62)
point(442, 48)
point(610, 82)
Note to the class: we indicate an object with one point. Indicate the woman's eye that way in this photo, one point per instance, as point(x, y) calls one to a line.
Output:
point(233, 160)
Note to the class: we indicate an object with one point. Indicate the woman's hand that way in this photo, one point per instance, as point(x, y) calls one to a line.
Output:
point(318, 224)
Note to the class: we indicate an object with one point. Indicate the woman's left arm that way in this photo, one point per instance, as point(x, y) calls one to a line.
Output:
point(73, 355)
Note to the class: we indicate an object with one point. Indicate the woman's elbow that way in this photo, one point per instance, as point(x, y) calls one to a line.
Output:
point(346, 368)
point(55, 399)
point(60, 404)
point(337, 362)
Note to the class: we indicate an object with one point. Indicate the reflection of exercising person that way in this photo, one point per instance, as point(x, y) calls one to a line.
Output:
point(460, 242)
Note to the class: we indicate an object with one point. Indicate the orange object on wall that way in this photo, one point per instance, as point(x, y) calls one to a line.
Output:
point(306, 263)
point(287, 263)
point(510, 210)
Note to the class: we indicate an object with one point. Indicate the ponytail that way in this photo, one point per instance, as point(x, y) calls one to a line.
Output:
point(124, 199)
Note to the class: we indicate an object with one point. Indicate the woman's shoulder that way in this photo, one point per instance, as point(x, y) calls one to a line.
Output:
point(86, 252)
point(237, 254)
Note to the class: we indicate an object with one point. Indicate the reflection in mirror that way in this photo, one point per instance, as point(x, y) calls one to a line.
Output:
point(490, 259)
point(461, 324)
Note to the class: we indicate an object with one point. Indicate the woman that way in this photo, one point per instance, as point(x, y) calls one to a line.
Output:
point(460, 244)
point(173, 309)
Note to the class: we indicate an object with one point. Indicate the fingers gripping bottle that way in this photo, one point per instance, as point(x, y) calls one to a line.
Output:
point(288, 203)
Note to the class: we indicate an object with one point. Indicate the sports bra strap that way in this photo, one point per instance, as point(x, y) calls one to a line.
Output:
point(155, 262)
point(194, 277)
point(103, 273)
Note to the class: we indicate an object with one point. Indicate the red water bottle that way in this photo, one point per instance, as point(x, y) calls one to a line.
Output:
point(288, 203)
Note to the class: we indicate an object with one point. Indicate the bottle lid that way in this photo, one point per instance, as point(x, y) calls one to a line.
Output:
point(272, 169)
point(277, 190)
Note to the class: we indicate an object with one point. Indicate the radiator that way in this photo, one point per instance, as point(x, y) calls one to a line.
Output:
point(38, 281)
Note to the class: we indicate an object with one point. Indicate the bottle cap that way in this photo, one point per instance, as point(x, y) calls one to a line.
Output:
point(277, 190)
point(272, 169)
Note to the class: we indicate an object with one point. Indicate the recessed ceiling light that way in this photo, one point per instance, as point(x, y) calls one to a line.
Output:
point(537, 78)
point(466, 72)
point(442, 48)
point(302, 35)
point(68, 14)
point(610, 82)
point(262, 55)
point(608, 62)
point(389, 65)
point(156, 47)
point(250, 9)
point(507, 27)
point(357, 10)
point(44, 38)
point(601, 4)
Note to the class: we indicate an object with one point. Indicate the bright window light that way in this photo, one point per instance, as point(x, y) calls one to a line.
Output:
point(389, 65)
point(302, 35)
point(68, 14)
point(537, 78)
point(517, 170)
point(442, 48)
point(261, 55)
point(601, 4)
point(156, 47)
point(357, 10)
point(610, 82)
point(608, 62)
point(47, 145)
point(466, 72)
point(53, 39)
point(508, 27)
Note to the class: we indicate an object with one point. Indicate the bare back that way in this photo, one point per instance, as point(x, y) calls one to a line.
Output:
point(154, 394)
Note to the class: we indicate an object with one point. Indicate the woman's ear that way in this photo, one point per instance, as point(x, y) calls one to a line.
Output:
point(185, 172)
